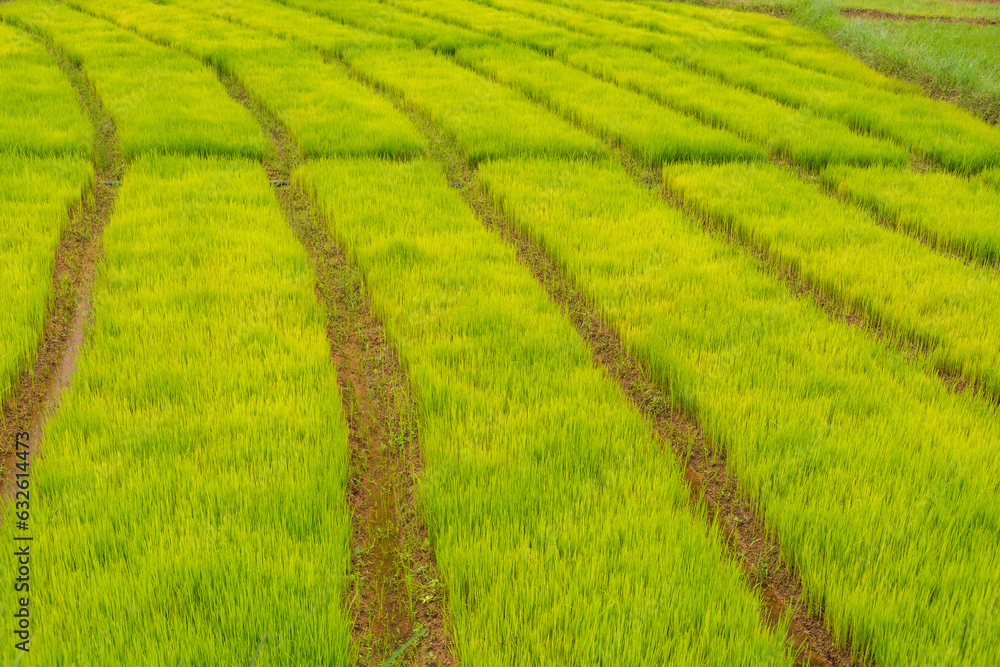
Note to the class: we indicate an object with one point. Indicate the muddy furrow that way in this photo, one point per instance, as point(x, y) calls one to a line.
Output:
point(898, 16)
point(397, 601)
point(37, 393)
point(714, 493)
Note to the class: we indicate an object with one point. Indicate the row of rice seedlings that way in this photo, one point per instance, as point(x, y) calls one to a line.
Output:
point(284, 21)
point(189, 504)
point(560, 526)
point(160, 99)
point(654, 132)
point(936, 130)
point(951, 211)
point(486, 119)
point(776, 38)
point(810, 140)
point(328, 113)
point(36, 194)
point(897, 542)
point(796, 134)
point(39, 112)
point(377, 17)
point(946, 305)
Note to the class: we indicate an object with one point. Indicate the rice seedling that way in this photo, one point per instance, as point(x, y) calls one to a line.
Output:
point(275, 18)
point(161, 100)
point(36, 194)
point(945, 305)
point(879, 484)
point(797, 134)
point(189, 503)
point(39, 113)
point(381, 18)
point(289, 79)
point(655, 133)
point(935, 130)
point(561, 528)
point(954, 212)
point(612, 20)
point(486, 119)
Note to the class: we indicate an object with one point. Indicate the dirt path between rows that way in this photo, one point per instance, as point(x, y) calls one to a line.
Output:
point(39, 389)
point(897, 16)
point(398, 601)
point(714, 493)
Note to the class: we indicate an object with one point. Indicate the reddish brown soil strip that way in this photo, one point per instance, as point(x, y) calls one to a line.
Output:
point(397, 594)
point(36, 394)
point(896, 16)
point(714, 493)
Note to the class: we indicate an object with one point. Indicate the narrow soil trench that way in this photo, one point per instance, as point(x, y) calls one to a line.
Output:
point(714, 494)
point(39, 389)
point(398, 601)
point(899, 16)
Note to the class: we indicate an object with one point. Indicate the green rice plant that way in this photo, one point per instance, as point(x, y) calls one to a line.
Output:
point(793, 44)
point(935, 130)
point(189, 503)
point(276, 18)
point(160, 100)
point(486, 119)
point(328, 113)
point(39, 112)
point(879, 484)
point(922, 295)
point(953, 212)
point(381, 18)
point(36, 194)
point(655, 133)
point(560, 527)
point(991, 177)
point(523, 30)
point(797, 134)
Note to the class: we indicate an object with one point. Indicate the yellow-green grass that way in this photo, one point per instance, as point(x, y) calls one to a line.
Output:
point(284, 21)
point(381, 18)
point(653, 132)
point(796, 134)
point(878, 483)
point(189, 503)
point(555, 517)
point(36, 194)
point(327, 113)
point(486, 119)
point(609, 19)
point(947, 305)
point(39, 112)
point(936, 130)
point(160, 100)
point(954, 212)
point(991, 177)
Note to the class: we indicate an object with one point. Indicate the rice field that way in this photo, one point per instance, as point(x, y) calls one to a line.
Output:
point(685, 315)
